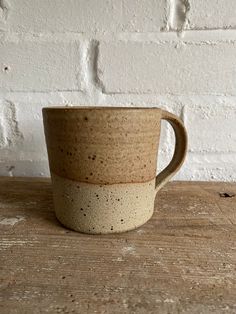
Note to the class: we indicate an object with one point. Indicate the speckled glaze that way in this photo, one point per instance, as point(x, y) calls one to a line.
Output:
point(103, 164)
point(95, 208)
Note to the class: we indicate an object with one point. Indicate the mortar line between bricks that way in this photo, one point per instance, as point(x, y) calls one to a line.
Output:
point(121, 94)
point(166, 36)
point(211, 153)
point(43, 92)
point(167, 16)
point(92, 68)
point(166, 94)
point(187, 38)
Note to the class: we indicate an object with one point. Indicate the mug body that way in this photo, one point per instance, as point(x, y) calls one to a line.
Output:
point(103, 165)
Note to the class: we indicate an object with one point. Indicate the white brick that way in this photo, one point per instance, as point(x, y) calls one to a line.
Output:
point(212, 167)
point(10, 133)
point(85, 15)
point(144, 15)
point(212, 14)
point(39, 66)
point(64, 15)
point(190, 68)
point(211, 128)
point(4, 7)
point(30, 125)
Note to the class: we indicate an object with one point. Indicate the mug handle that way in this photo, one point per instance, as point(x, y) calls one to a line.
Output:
point(177, 160)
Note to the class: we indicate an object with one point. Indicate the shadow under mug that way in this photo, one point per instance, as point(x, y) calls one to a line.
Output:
point(103, 164)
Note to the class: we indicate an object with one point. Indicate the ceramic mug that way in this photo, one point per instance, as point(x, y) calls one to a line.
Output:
point(103, 164)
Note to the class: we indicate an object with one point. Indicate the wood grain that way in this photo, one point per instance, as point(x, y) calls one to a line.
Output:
point(182, 261)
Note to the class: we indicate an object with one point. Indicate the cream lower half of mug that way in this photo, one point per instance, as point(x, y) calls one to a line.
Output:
point(100, 209)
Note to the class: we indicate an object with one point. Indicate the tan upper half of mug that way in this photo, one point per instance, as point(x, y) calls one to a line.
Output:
point(103, 145)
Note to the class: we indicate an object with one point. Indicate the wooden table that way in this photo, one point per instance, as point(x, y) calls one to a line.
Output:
point(182, 261)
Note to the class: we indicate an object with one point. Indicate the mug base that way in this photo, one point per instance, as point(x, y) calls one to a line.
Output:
point(92, 232)
point(102, 209)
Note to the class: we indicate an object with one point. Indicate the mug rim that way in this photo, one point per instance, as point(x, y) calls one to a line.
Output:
point(97, 108)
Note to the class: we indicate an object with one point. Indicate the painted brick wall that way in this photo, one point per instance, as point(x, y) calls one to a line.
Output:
point(175, 54)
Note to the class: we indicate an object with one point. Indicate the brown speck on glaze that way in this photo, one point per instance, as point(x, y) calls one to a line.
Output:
point(85, 118)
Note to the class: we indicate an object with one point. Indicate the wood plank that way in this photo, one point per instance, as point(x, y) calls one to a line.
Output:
point(182, 261)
